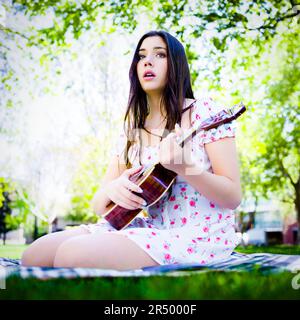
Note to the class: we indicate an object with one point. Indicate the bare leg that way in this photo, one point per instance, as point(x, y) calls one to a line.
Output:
point(105, 251)
point(42, 251)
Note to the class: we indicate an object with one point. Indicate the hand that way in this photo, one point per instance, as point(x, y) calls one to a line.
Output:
point(172, 156)
point(120, 190)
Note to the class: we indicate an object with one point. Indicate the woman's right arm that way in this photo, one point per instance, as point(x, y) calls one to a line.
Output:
point(117, 187)
point(100, 199)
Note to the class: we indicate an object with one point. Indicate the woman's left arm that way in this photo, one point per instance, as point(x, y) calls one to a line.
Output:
point(223, 185)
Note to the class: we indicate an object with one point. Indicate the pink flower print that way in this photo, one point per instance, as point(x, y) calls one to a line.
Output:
point(226, 242)
point(166, 247)
point(196, 213)
point(220, 216)
point(202, 262)
point(131, 232)
point(185, 197)
point(212, 205)
point(183, 189)
point(153, 233)
point(190, 250)
point(207, 218)
point(177, 236)
point(148, 246)
point(228, 217)
point(199, 238)
point(193, 240)
point(149, 226)
point(212, 255)
point(167, 256)
point(208, 239)
point(198, 116)
point(192, 203)
point(205, 229)
point(205, 103)
point(176, 206)
point(218, 238)
point(172, 198)
point(172, 222)
point(149, 157)
point(183, 220)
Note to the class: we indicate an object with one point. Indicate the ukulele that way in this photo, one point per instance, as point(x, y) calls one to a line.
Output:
point(155, 180)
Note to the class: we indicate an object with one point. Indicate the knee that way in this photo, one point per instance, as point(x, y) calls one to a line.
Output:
point(29, 256)
point(66, 256)
point(33, 255)
point(26, 259)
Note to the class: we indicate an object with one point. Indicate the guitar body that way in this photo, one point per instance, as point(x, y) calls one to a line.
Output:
point(155, 181)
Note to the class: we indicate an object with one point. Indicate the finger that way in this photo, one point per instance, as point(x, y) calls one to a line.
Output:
point(125, 205)
point(124, 202)
point(133, 170)
point(133, 187)
point(136, 200)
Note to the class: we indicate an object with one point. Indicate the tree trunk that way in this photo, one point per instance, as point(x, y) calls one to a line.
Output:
point(35, 229)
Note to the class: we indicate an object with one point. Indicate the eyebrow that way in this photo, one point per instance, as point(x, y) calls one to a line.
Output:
point(153, 48)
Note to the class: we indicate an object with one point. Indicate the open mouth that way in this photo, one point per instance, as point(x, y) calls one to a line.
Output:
point(148, 75)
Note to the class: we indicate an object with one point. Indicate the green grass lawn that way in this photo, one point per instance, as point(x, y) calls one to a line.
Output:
point(207, 285)
point(12, 251)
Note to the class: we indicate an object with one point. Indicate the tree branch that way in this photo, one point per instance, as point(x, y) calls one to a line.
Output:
point(8, 30)
point(285, 171)
point(273, 23)
point(293, 3)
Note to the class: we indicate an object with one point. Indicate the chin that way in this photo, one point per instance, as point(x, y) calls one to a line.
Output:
point(151, 89)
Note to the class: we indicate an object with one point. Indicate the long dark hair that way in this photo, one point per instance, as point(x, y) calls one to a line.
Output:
point(176, 90)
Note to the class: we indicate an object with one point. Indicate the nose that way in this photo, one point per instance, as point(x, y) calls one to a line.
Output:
point(148, 60)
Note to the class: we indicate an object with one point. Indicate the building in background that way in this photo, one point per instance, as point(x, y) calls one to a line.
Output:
point(264, 224)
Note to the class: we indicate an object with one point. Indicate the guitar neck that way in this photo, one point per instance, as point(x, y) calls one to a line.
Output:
point(224, 116)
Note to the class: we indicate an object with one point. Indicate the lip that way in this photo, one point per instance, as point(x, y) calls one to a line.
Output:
point(149, 71)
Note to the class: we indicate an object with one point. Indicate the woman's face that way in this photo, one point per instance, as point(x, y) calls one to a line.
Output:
point(153, 58)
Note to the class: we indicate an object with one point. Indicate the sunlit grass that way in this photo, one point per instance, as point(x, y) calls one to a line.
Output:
point(12, 251)
point(209, 285)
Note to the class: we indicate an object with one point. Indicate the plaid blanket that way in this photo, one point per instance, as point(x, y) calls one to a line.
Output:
point(265, 262)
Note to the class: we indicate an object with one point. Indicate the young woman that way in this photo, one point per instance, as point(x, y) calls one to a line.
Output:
point(194, 220)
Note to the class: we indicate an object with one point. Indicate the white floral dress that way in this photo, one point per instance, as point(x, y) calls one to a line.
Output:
point(187, 228)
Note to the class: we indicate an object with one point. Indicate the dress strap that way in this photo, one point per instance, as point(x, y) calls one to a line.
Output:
point(183, 110)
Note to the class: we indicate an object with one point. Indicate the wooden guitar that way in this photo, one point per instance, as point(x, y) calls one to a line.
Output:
point(155, 180)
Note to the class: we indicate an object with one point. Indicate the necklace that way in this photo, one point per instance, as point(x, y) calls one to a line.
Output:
point(161, 137)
